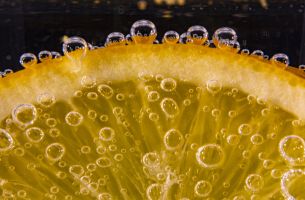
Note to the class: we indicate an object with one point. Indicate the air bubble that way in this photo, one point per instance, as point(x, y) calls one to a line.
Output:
point(154, 191)
point(6, 141)
point(44, 56)
point(258, 54)
point(55, 55)
point(88, 81)
point(92, 114)
point(28, 60)
point(128, 39)
point(104, 118)
point(143, 32)
point(106, 133)
point(168, 84)
point(257, 139)
point(280, 59)
point(225, 37)
point(104, 196)
point(210, 156)
point(76, 170)
point(85, 149)
point(74, 43)
point(291, 184)
point(24, 114)
point(245, 52)
point(213, 86)
point(302, 67)
point(169, 107)
point(103, 162)
point(233, 139)
point(105, 90)
point(203, 188)
point(115, 39)
point(245, 129)
point(151, 159)
point(197, 35)
point(153, 96)
point(171, 37)
point(51, 122)
point(92, 95)
point(34, 134)
point(173, 139)
point(183, 38)
point(74, 118)
point(55, 151)
point(46, 100)
point(54, 132)
point(153, 117)
point(254, 182)
point(292, 149)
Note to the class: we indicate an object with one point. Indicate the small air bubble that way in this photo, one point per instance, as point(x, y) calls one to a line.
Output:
point(170, 107)
point(258, 54)
point(210, 156)
point(56, 55)
point(74, 118)
point(173, 139)
point(24, 114)
point(28, 60)
point(46, 100)
point(197, 35)
point(143, 32)
point(280, 59)
point(225, 37)
point(44, 56)
point(74, 43)
point(171, 37)
point(6, 141)
point(88, 81)
point(34, 134)
point(106, 133)
point(203, 188)
point(55, 151)
point(115, 39)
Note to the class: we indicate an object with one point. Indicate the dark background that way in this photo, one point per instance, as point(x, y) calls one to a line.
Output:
point(33, 25)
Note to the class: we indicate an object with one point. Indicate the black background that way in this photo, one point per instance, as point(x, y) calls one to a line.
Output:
point(32, 26)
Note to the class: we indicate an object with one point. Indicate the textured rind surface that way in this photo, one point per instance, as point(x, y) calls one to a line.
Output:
point(197, 64)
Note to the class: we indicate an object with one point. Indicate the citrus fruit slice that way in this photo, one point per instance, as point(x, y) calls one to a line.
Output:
point(170, 121)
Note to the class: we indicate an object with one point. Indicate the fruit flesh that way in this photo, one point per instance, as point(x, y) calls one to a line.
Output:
point(140, 161)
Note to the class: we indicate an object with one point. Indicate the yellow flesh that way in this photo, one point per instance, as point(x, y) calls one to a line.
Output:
point(253, 92)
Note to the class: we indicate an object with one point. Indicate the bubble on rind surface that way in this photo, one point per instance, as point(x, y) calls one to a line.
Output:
point(74, 43)
point(44, 55)
point(28, 60)
point(143, 32)
point(197, 35)
point(115, 39)
point(225, 37)
point(171, 37)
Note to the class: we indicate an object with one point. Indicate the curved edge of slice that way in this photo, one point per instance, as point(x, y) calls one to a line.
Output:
point(197, 64)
